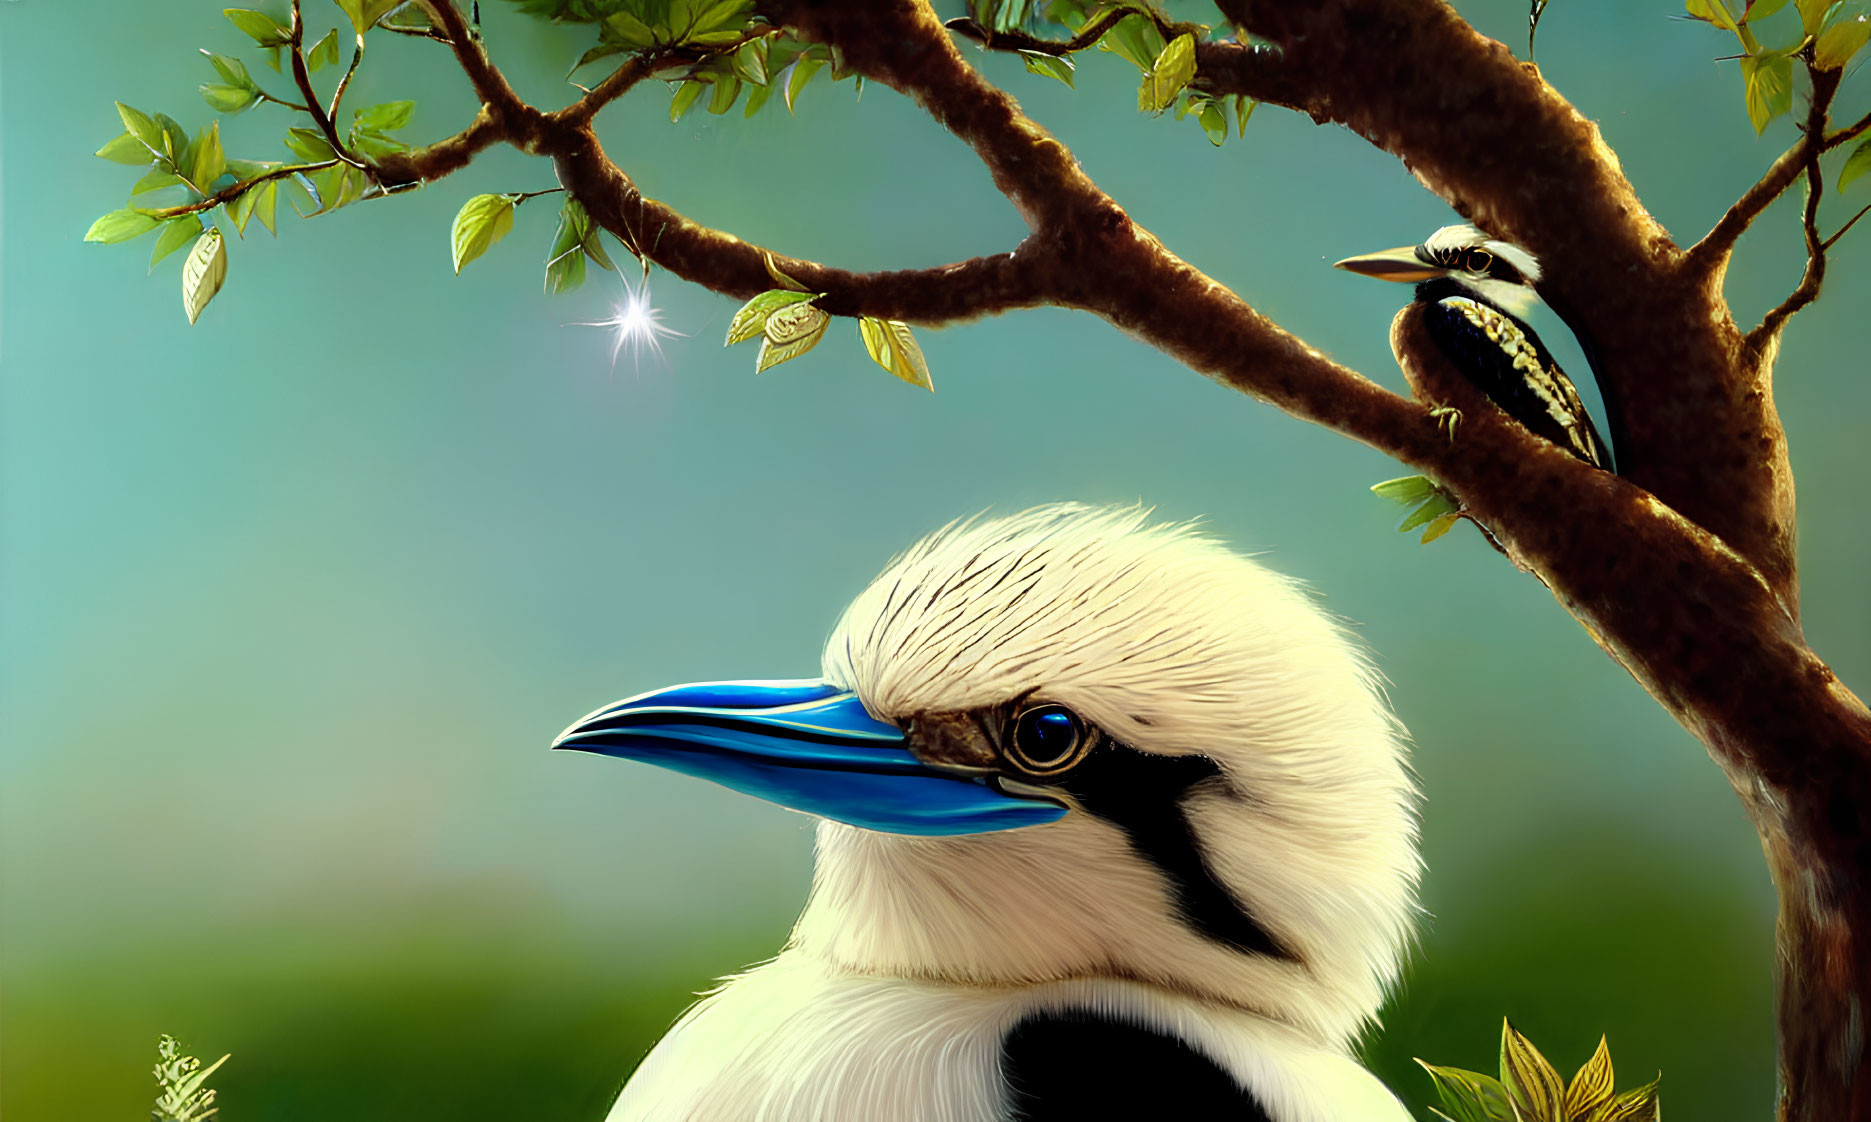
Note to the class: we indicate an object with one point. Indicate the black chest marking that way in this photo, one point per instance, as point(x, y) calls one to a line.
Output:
point(1077, 1065)
point(1141, 794)
point(1502, 356)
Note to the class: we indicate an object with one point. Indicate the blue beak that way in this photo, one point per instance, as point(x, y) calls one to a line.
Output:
point(807, 746)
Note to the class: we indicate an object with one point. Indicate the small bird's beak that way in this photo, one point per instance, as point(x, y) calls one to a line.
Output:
point(1400, 264)
point(807, 746)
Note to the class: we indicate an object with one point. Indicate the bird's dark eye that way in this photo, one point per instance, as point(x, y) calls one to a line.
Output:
point(1047, 740)
point(1478, 261)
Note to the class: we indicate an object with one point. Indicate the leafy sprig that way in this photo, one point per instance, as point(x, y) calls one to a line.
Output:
point(184, 1097)
point(1530, 1090)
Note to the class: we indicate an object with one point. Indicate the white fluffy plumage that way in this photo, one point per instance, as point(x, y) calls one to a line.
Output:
point(914, 954)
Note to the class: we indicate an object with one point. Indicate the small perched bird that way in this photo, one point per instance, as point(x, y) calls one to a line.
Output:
point(1115, 824)
point(1472, 291)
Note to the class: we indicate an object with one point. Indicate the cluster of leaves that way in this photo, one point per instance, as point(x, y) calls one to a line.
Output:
point(485, 219)
point(187, 179)
point(1429, 505)
point(789, 324)
point(1162, 50)
point(1827, 34)
point(759, 66)
point(1529, 1090)
point(181, 1079)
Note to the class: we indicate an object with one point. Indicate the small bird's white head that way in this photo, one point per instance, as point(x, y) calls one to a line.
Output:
point(1501, 272)
point(1240, 820)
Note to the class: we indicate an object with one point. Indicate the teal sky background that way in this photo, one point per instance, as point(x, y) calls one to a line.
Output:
point(292, 601)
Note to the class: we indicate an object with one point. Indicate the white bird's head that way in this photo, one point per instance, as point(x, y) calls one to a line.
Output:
point(1501, 272)
point(1069, 744)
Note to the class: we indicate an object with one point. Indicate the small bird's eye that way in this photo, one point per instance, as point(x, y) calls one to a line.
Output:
point(1046, 740)
point(1478, 261)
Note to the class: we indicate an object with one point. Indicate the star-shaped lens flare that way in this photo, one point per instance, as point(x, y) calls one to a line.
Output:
point(635, 323)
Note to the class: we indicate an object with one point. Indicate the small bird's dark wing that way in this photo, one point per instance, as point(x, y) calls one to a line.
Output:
point(1076, 1065)
point(1506, 361)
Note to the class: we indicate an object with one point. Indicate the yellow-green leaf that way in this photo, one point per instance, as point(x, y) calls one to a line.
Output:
point(1408, 491)
point(803, 70)
point(790, 332)
point(1592, 1086)
point(1636, 1105)
point(1532, 1084)
point(1811, 12)
point(257, 24)
point(894, 348)
point(1844, 31)
point(1714, 11)
point(1857, 164)
point(210, 158)
point(176, 233)
point(126, 149)
point(265, 205)
point(1761, 9)
point(687, 94)
point(727, 88)
point(204, 272)
point(1769, 79)
point(1052, 66)
point(1214, 122)
point(1467, 1096)
point(774, 272)
point(482, 221)
point(120, 226)
point(751, 320)
point(139, 125)
point(1436, 528)
point(1170, 73)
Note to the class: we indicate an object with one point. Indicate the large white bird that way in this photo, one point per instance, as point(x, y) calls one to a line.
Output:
point(1116, 824)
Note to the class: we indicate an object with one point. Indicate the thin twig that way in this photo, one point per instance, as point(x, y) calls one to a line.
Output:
point(1848, 133)
point(1825, 84)
point(1827, 244)
point(303, 77)
point(337, 95)
point(233, 191)
point(1707, 255)
point(416, 32)
point(1017, 40)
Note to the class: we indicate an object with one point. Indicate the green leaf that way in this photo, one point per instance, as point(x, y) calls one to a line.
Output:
point(790, 332)
point(724, 15)
point(176, 233)
point(687, 94)
point(1761, 9)
point(339, 185)
point(126, 149)
point(387, 117)
point(1439, 526)
point(1052, 66)
point(1591, 1088)
point(156, 180)
point(1215, 122)
point(1136, 39)
point(227, 99)
point(232, 70)
point(1407, 491)
point(628, 32)
point(120, 226)
point(323, 53)
point(1811, 12)
point(203, 274)
point(175, 141)
point(1769, 79)
point(574, 241)
point(751, 320)
point(1168, 75)
point(1857, 164)
point(565, 272)
point(1435, 506)
point(1712, 11)
point(310, 145)
point(481, 222)
point(210, 158)
point(365, 13)
point(1532, 1084)
point(148, 132)
point(258, 25)
point(268, 201)
point(750, 61)
point(1243, 109)
point(779, 277)
point(1468, 1096)
point(1844, 31)
point(727, 88)
point(802, 73)
point(757, 98)
point(1636, 1105)
point(894, 348)
point(376, 145)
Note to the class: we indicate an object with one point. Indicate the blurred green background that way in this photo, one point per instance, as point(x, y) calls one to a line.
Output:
point(294, 599)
